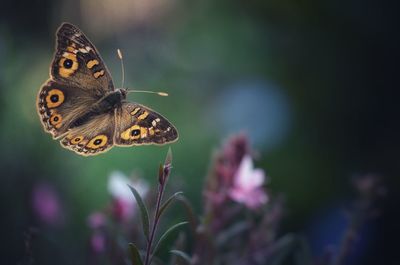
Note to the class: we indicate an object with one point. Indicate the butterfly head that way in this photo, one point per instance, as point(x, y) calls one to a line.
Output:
point(123, 92)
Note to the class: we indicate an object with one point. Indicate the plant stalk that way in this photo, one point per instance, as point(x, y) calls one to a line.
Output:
point(155, 223)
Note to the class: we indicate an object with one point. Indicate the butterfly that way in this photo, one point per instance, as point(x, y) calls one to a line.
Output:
point(80, 107)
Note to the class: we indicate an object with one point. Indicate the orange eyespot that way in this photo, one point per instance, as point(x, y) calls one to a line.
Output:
point(68, 64)
point(54, 98)
point(98, 141)
point(56, 120)
point(76, 140)
point(132, 133)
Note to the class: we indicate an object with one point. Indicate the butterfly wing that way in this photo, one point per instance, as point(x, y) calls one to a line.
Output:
point(77, 62)
point(137, 125)
point(66, 113)
point(94, 136)
point(60, 104)
point(79, 78)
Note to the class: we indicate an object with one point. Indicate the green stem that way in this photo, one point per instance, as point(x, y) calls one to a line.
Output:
point(155, 223)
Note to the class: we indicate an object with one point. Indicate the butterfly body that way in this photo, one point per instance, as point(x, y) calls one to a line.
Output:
point(106, 104)
point(80, 106)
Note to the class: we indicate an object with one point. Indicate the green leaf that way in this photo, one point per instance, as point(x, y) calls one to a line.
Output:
point(135, 256)
point(165, 235)
point(143, 212)
point(190, 213)
point(168, 202)
point(182, 255)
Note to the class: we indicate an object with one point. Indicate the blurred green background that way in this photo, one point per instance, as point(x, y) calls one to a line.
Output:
point(313, 84)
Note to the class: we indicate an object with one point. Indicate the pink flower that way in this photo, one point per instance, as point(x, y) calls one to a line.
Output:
point(123, 203)
point(247, 185)
point(46, 204)
point(96, 220)
point(98, 242)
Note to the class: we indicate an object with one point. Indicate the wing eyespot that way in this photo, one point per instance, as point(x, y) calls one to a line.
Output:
point(54, 98)
point(98, 141)
point(76, 140)
point(56, 120)
point(132, 133)
point(135, 132)
point(68, 64)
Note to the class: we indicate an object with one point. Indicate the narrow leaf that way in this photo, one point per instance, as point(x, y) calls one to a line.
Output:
point(135, 256)
point(165, 235)
point(143, 212)
point(182, 255)
point(168, 202)
point(190, 213)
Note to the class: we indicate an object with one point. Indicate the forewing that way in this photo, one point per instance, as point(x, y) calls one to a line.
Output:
point(138, 125)
point(77, 62)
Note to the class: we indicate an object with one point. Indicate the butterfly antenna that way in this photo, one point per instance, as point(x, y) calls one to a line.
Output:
point(163, 94)
point(122, 66)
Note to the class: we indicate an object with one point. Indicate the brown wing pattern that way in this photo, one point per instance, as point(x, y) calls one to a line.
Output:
point(94, 137)
point(78, 63)
point(137, 125)
point(59, 105)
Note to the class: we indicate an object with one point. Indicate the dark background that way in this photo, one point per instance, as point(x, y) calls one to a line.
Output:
point(313, 83)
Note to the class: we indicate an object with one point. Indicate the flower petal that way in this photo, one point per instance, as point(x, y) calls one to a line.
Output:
point(247, 177)
point(117, 186)
point(258, 177)
point(243, 174)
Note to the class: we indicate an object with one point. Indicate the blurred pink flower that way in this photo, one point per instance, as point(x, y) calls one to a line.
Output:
point(123, 203)
point(247, 185)
point(98, 242)
point(221, 176)
point(122, 210)
point(46, 204)
point(96, 220)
